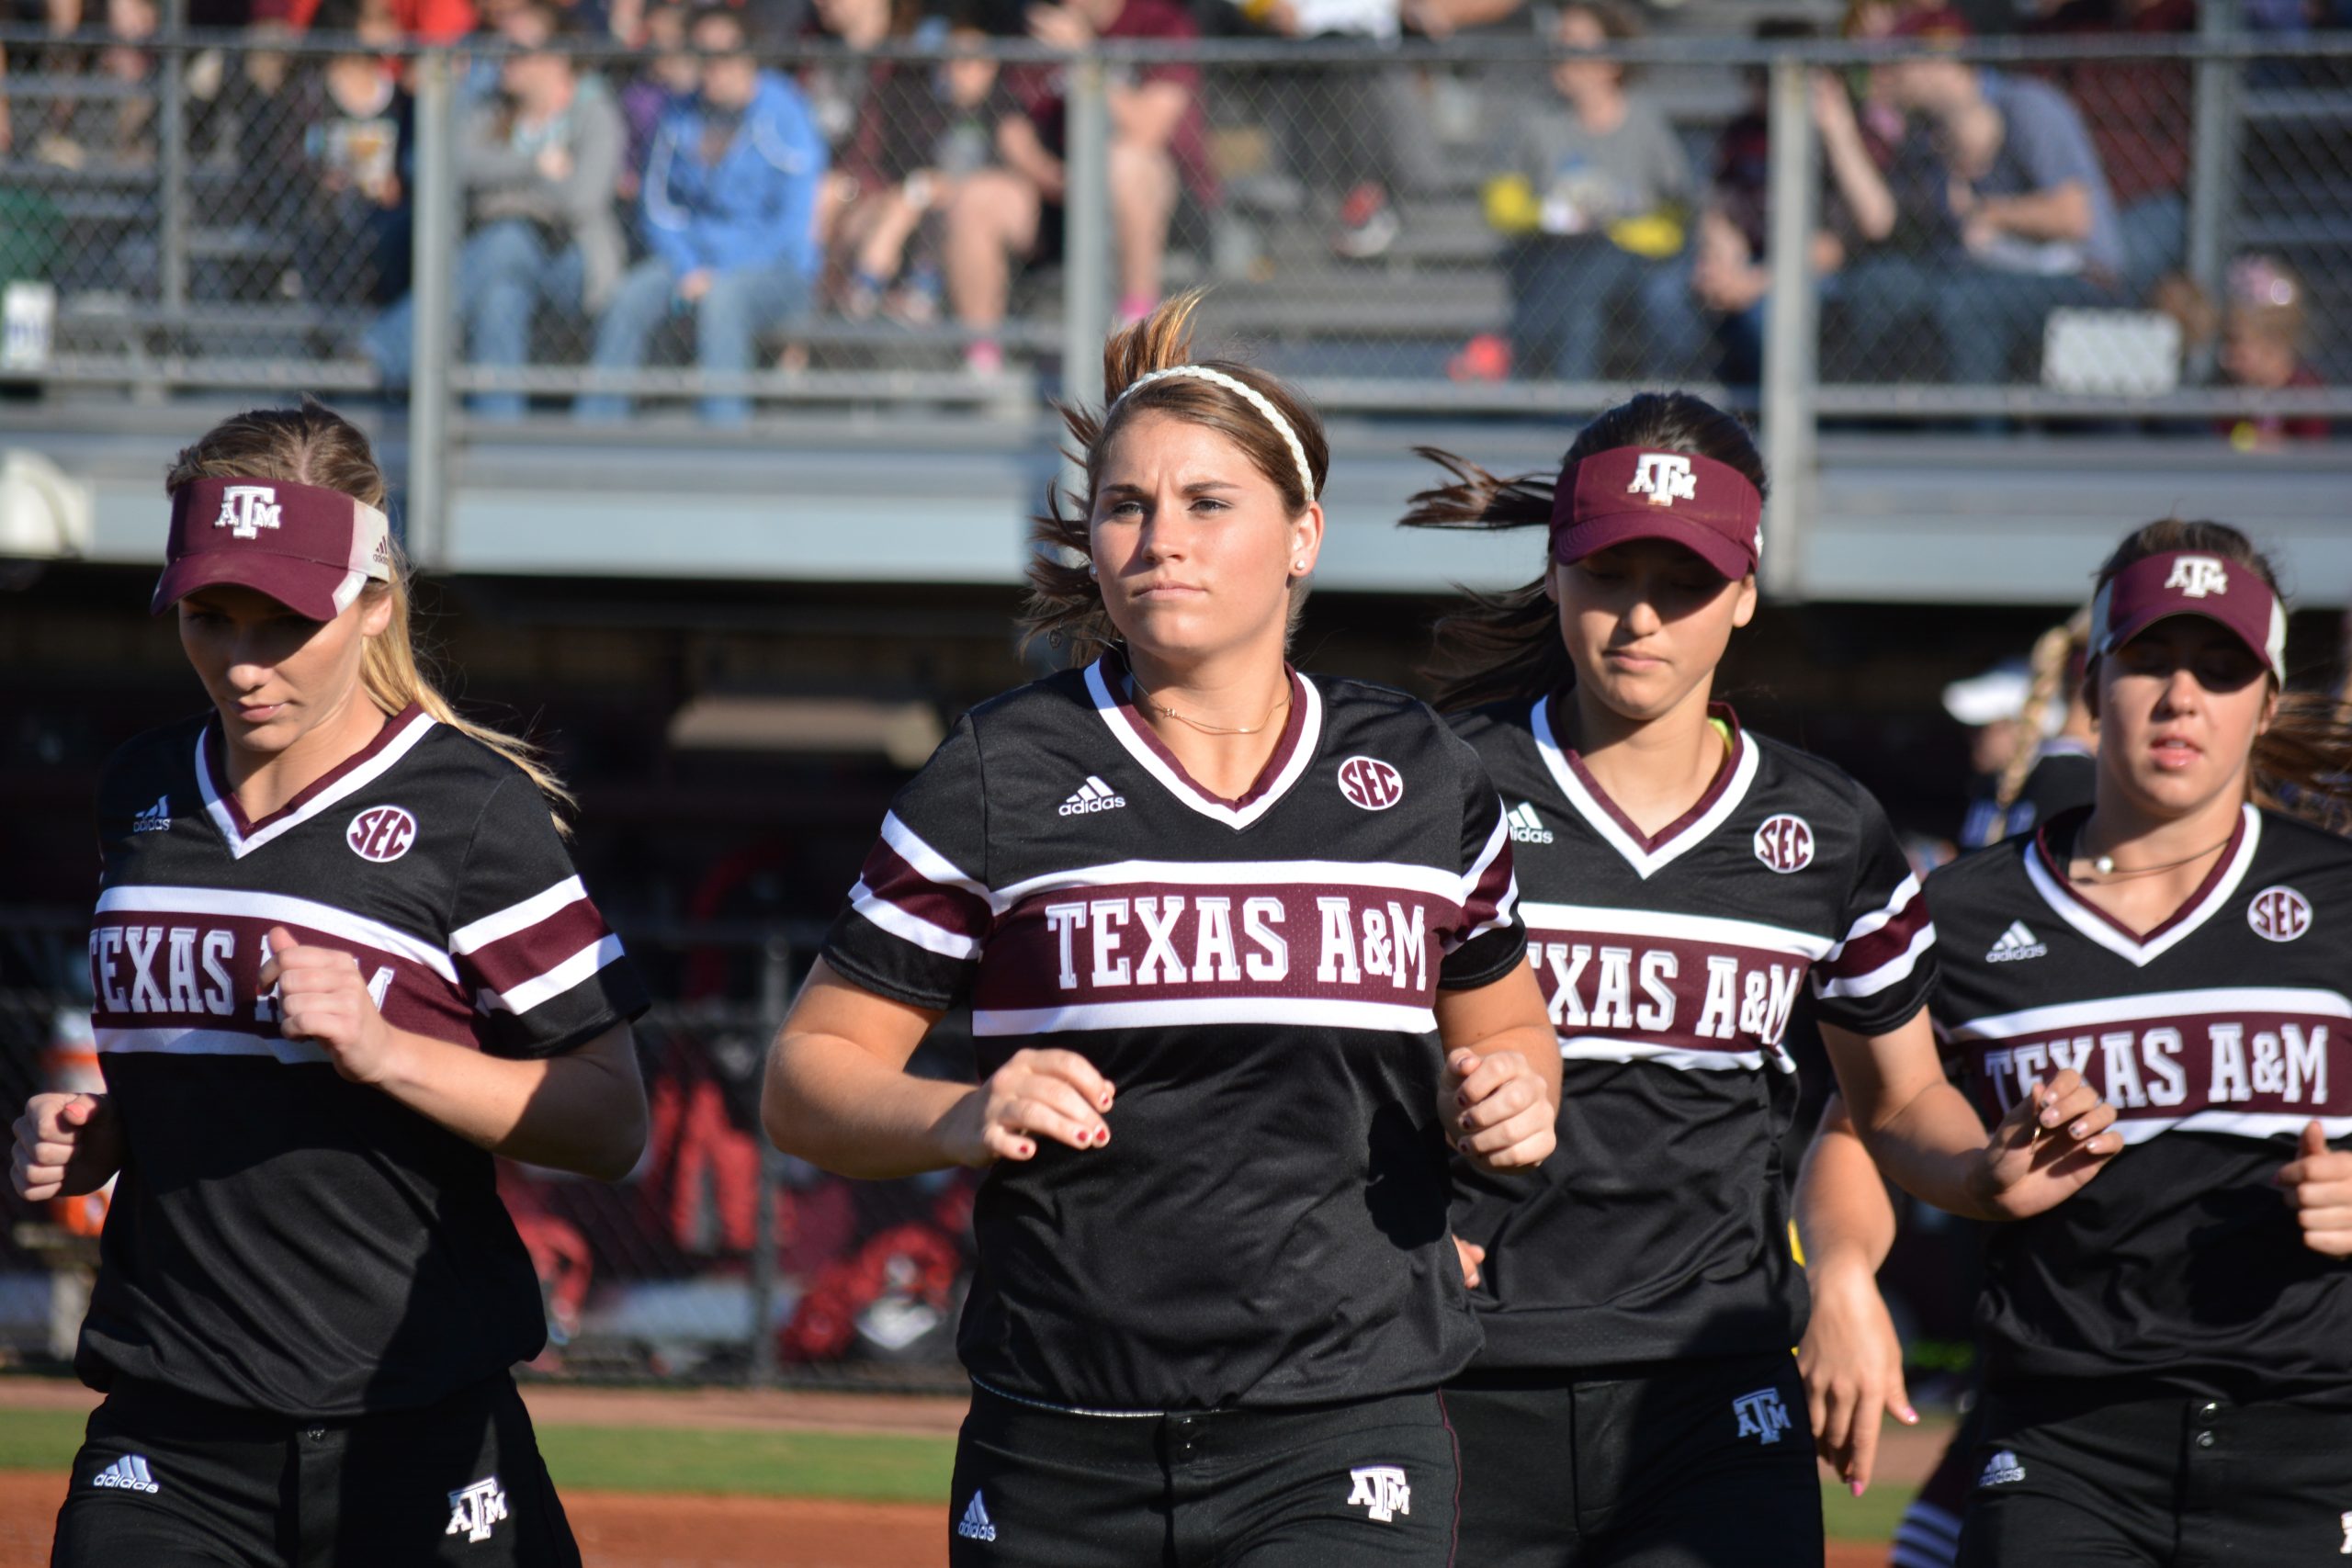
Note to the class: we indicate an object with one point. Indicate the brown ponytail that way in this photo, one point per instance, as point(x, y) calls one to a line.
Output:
point(2302, 763)
point(2056, 674)
point(313, 444)
point(1064, 603)
point(1505, 647)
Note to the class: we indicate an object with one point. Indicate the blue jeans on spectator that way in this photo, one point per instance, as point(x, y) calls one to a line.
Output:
point(2156, 241)
point(741, 304)
point(1983, 318)
point(1565, 292)
point(503, 275)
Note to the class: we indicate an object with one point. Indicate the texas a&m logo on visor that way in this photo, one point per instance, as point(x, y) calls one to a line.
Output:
point(1666, 478)
point(2197, 576)
point(245, 510)
point(1371, 783)
point(381, 833)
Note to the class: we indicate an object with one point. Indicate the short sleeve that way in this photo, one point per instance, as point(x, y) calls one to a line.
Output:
point(913, 925)
point(1490, 939)
point(547, 973)
point(2051, 143)
point(1878, 975)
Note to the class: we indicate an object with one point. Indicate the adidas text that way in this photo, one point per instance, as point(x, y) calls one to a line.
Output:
point(130, 1472)
point(1526, 828)
point(976, 1524)
point(1381, 1490)
point(475, 1510)
point(2001, 1470)
point(1091, 796)
point(154, 818)
point(2015, 944)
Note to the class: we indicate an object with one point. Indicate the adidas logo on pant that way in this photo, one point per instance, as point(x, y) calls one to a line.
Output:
point(2001, 1470)
point(2017, 942)
point(975, 1524)
point(1526, 828)
point(130, 1472)
point(1092, 796)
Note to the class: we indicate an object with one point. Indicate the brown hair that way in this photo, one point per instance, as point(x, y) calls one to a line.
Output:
point(2302, 763)
point(2054, 676)
point(313, 444)
point(1506, 645)
point(1064, 603)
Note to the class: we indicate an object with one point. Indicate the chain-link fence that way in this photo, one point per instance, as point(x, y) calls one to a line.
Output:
point(2154, 229)
point(718, 1259)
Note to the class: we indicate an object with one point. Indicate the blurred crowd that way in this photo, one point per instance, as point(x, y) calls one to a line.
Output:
point(697, 188)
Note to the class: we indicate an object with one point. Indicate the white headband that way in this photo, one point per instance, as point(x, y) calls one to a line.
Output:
point(1256, 399)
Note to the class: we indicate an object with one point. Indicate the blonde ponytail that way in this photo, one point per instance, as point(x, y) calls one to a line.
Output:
point(2055, 655)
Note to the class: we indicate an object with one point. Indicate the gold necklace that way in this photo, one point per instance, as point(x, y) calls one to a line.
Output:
point(1162, 708)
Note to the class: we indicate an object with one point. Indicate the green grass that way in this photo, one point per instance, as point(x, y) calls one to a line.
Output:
point(855, 1467)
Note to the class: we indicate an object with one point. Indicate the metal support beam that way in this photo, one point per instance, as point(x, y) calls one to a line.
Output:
point(1791, 337)
point(437, 219)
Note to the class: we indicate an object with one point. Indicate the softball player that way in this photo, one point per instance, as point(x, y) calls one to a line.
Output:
point(2167, 1379)
point(340, 959)
point(1636, 1403)
point(1229, 934)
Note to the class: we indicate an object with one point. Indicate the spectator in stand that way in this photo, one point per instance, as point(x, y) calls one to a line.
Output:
point(1158, 148)
point(361, 153)
point(415, 21)
point(840, 94)
point(1340, 128)
point(729, 208)
point(1729, 276)
point(541, 164)
point(666, 85)
point(2139, 114)
point(922, 133)
point(2003, 212)
point(1595, 195)
point(2265, 334)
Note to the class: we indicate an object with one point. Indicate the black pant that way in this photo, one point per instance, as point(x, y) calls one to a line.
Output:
point(1694, 1465)
point(164, 1481)
point(2174, 1480)
point(1332, 1486)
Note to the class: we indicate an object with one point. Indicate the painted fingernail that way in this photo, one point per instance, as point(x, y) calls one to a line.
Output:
point(1025, 1150)
point(1858, 1488)
point(2078, 1130)
point(1101, 1137)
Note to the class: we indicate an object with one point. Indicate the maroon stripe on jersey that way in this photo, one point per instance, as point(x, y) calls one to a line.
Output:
point(1663, 991)
point(209, 747)
point(1867, 954)
point(888, 876)
point(1152, 942)
point(1485, 900)
point(2168, 1066)
point(2068, 823)
point(1725, 772)
point(1117, 679)
point(530, 952)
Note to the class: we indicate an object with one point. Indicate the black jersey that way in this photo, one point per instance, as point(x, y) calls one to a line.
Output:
point(2216, 1037)
point(282, 1238)
point(1660, 1227)
point(2063, 776)
point(1257, 977)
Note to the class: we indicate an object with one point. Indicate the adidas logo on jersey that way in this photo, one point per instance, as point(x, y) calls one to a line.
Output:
point(1091, 796)
point(2001, 1470)
point(1526, 828)
point(154, 818)
point(2017, 942)
point(975, 1524)
point(130, 1472)
point(1381, 1490)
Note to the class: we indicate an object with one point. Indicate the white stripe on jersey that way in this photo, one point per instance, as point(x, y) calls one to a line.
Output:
point(2153, 1007)
point(554, 981)
point(2243, 1123)
point(1899, 967)
point(1869, 924)
point(1310, 740)
point(140, 899)
point(367, 773)
point(2069, 906)
point(1601, 1048)
point(894, 919)
point(1315, 1012)
point(932, 865)
point(1432, 880)
point(1712, 929)
point(517, 917)
point(1597, 815)
point(173, 1042)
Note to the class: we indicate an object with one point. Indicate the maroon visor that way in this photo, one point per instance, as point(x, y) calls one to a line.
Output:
point(2188, 582)
point(311, 548)
point(1628, 492)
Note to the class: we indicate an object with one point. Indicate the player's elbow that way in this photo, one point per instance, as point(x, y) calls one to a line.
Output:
point(623, 1144)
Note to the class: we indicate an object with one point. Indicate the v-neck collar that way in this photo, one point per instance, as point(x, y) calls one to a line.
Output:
point(1107, 681)
point(1648, 852)
point(363, 767)
point(2047, 875)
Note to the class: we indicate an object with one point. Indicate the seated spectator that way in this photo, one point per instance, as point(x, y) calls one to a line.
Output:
point(415, 21)
point(1158, 143)
point(2139, 113)
point(361, 151)
point(540, 165)
point(730, 207)
point(840, 94)
point(666, 83)
point(1344, 131)
point(2003, 213)
point(920, 135)
point(2263, 338)
point(1595, 195)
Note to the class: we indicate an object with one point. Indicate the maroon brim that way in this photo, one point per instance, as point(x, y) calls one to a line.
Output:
point(307, 588)
point(1591, 535)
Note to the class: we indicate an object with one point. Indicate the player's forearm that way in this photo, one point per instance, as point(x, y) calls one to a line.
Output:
point(583, 1111)
point(1844, 1216)
point(1540, 1046)
point(1932, 1146)
point(838, 1107)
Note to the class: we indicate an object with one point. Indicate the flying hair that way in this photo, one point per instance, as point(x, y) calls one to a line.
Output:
point(2053, 674)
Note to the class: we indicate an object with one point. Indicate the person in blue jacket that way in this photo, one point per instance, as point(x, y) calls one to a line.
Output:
point(729, 209)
